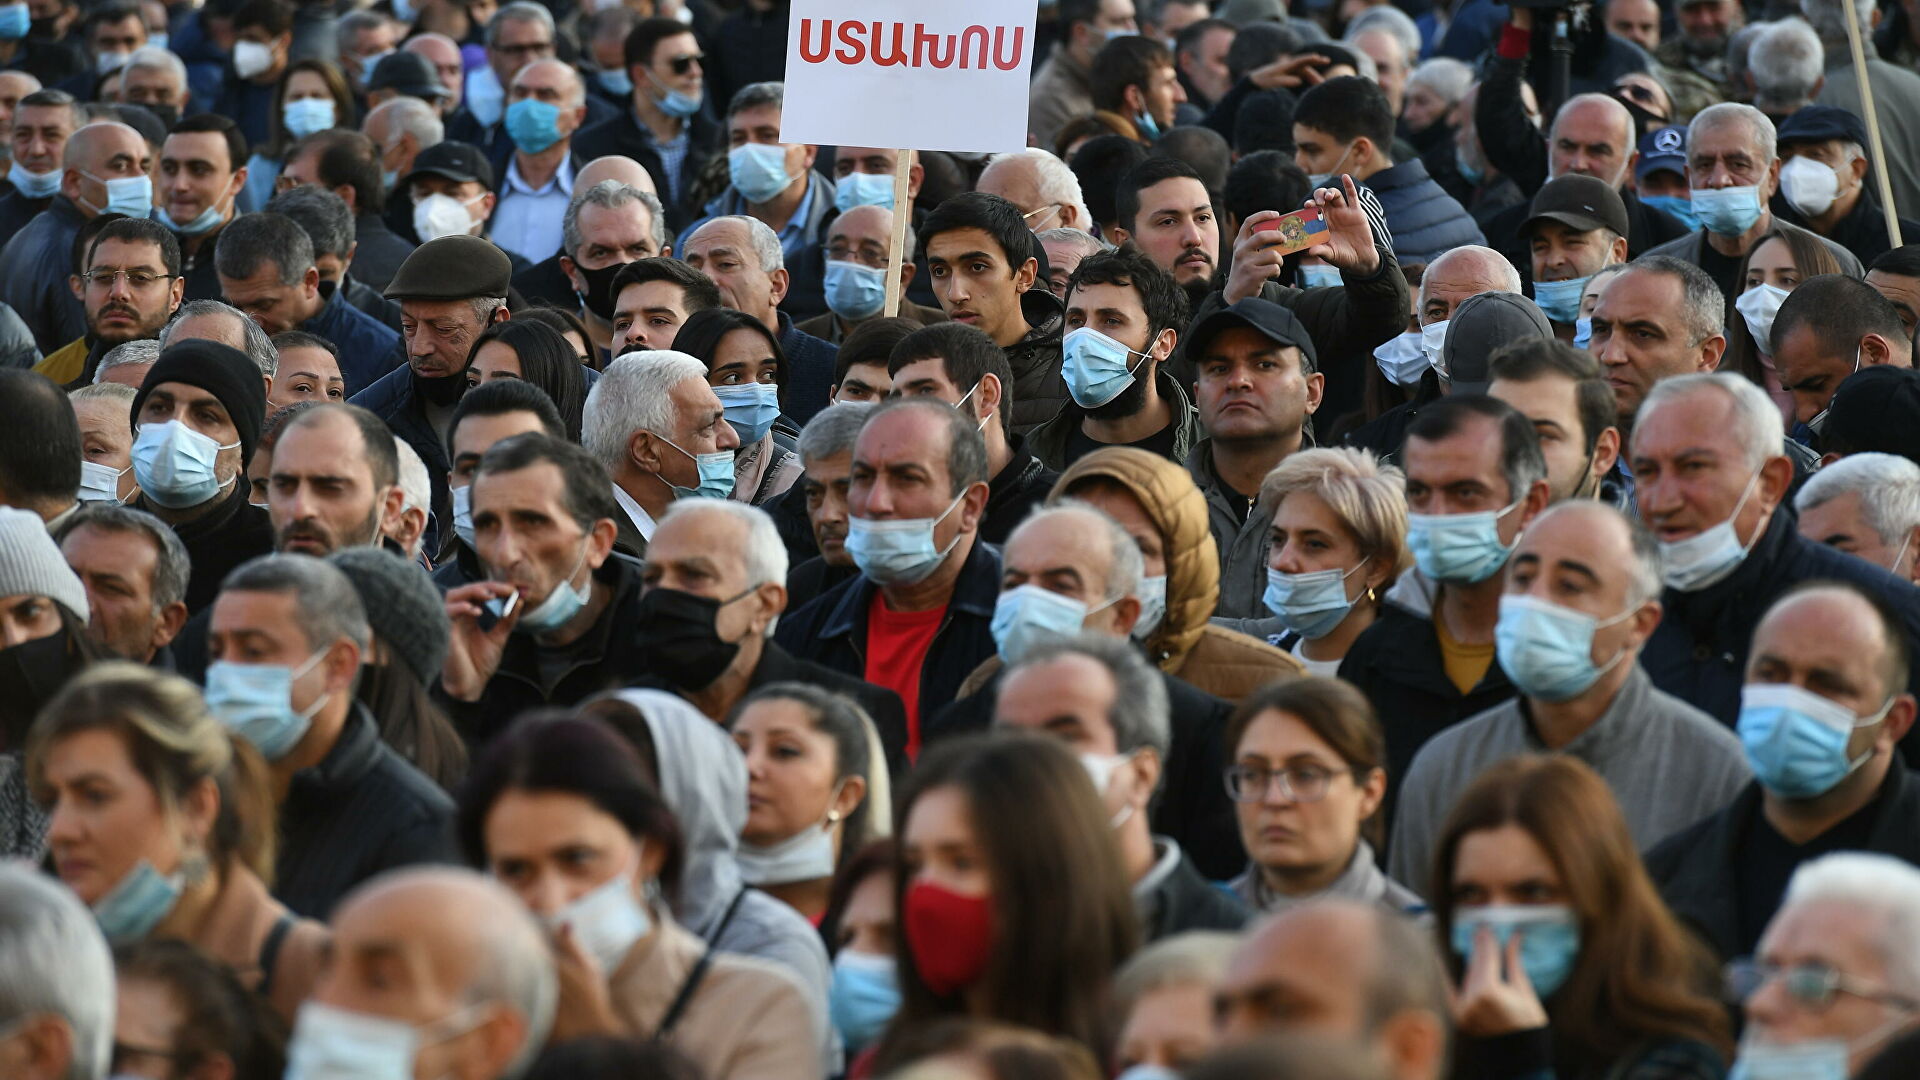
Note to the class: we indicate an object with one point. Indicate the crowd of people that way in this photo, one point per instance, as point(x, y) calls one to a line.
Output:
point(511, 571)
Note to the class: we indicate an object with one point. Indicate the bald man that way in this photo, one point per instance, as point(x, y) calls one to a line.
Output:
point(858, 247)
point(106, 167)
point(545, 106)
point(616, 167)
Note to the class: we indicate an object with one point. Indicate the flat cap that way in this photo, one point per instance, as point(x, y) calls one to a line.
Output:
point(452, 268)
point(1481, 326)
point(1582, 203)
point(1820, 123)
point(1277, 323)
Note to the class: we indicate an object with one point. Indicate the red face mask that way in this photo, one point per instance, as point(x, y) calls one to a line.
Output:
point(950, 936)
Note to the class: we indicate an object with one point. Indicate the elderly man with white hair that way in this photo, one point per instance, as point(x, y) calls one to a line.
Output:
point(662, 435)
point(1896, 95)
point(1867, 505)
point(1041, 185)
point(400, 129)
point(154, 77)
point(1787, 64)
point(1733, 168)
point(1388, 37)
point(1838, 974)
point(1710, 477)
point(56, 982)
point(744, 258)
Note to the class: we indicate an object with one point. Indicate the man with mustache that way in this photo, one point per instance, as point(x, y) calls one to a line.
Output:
point(129, 286)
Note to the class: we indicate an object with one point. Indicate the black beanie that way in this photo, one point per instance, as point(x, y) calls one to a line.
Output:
point(221, 370)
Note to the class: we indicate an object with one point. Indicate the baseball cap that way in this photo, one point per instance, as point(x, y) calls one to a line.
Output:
point(1278, 324)
point(408, 73)
point(1583, 203)
point(1662, 148)
point(462, 163)
point(1481, 325)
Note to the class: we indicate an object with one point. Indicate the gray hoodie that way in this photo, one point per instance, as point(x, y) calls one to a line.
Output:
point(703, 778)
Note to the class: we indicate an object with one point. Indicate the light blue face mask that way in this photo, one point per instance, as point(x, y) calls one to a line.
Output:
point(855, 292)
point(129, 195)
point(1095, 367)
point(15, 21)
point(1153, 606)
point(864, 996)
point(751, 408)
point(1316, 275)
point(1796, 740)
point(1547, 650)
point(1560, 300)
point(1468, 171)
point(1549, 941)
point(1309, 604)
point(203, 222)
point(898, 551)
point(485, 98)
point(1148, 126)
point(758, 171)
point(1402, 360)
point(330, 1043)
point(255, 702)
point(1583, 332)
point(615, 81)
point(389, 177)
point(33, 185)
point(716, 474)
point(675, 103)
point(136, 904)
point(533, 125)
point(1325, 179)
point(863, 189)
point(463, 514)
point(175, 465)
point(306, 116)
point(1026, 615)
point(1459, 548)
point(560, 606)
point(1816, 1059)
point(1679, 206)
point(1727, 211)
point(156, 41)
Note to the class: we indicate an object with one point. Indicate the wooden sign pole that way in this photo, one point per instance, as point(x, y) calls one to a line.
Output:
point(1873, 122)
point(897, 244)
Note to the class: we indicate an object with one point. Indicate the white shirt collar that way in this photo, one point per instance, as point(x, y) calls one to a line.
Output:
point(642, 520)
point(563, 177)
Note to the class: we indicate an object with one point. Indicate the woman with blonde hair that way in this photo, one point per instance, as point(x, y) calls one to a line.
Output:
point(162, 822)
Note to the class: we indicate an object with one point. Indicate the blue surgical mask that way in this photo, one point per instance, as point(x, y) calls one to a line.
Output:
point(898, 551)
point(463, 514)
point(174, 464)
point(203, 222)
point(136, 903)
point(675, 103)
point(1727, 211)
point(855, 292)
point(863, 189)
point(15, 21)
point(304, 117)
point(1583, 332)
point(99, 483)
point(1469, 172)
point(533, 125)
point(615, 81)
point(1026, 615)
point(1309, 604)
point(329, 1043)
point(1547, 650)
point(1402, 360)
point(1549, 939)
point(1560, 300)
point(1148, 127)
point(1708, 556)
point(751, 408)
point(1325, 179)
point(561, 605)
point(129, 195)
point(1433, 341)
point(758, 171)
point(1796, 740)
point(32, 185)
point(157, 41)
point(1316, 275)
point(716, 474)
point(1679, 206)
point(864, 996)
point(388, 178)
point(485, 98)
point(1459, 548)
point(1095, 367)
point(255, 702)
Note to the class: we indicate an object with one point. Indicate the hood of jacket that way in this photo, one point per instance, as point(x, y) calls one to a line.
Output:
point(703, 778)
point(1414, 593)
point(1168, 495)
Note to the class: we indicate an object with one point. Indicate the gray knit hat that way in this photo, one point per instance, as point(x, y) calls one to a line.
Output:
point(403, 607)
point(31, 563)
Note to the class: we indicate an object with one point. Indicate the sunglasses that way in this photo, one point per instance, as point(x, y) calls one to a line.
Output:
point(680, 65)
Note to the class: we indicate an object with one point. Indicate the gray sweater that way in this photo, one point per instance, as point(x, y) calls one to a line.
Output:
point(1668, 763)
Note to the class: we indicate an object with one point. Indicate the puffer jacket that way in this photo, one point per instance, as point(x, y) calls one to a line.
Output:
point(1424, 219)
point(1221, 662)
point(1039, 391)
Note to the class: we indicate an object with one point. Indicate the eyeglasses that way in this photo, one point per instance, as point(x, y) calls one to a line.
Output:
point(680, 65)
point(138, 279)
point(848, 253)
point(1298, 783)
point(1811, 986)
point(531, 48)
point(1031, 214)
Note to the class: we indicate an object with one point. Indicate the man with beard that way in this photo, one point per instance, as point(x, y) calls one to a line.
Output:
point(335, 482)
point(1124, 315)
point(450, 290)
point(1164, 209)
point(130, 288)
point(1701, 46)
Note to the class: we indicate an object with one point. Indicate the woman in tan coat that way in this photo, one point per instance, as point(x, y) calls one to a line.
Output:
point(561, 813)
point(163, 823)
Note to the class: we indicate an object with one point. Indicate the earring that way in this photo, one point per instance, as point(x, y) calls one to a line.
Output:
point(194, 866)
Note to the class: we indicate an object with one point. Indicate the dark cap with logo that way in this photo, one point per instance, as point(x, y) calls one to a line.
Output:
point(1582, 203)
point(1271, 320)
point(1662, 148)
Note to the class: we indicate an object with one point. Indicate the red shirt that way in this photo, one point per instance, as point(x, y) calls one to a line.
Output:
point(897, 643)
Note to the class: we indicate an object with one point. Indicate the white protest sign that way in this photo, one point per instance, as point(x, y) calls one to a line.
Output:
point(930, 75)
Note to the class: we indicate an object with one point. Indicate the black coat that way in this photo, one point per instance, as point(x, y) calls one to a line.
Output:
point(623, 136)
point(392, 399)
point(1186, 901)
point(232, 533)
point(1696, 869)
point(1012, 494)
point(379, 251)
point(361, 811)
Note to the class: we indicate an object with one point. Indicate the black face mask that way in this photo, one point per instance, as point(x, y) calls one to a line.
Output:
point(30, 674)
point(167, 114)
point(327, 289)
point(445, 390)
point(599, 298)
point(678, 640)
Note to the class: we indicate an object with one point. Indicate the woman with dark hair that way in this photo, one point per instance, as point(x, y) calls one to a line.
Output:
point(533, 351)
point(748, 372)
point(561, 812)
point(1774, 266)
point(991, 829)
point(312, 96)
point(1569, 964)
point(860, 929)
point(570, 327)
point(808, 760)
point(180, 1013)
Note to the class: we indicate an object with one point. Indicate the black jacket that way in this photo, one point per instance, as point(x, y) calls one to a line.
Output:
point(1699, 651)
point(365, 298)
point(607, 657)
point(392, 399)
point(810, 579)
point(1014, 491)
point(378, 250)
point(832, 630)
point(623, 135)
point(1696, 868)
point(232, 533)
point(1863, 231)
point(16, 210)
point(1186, 901)
point(361, 811)
point(545, 283)
point(1192, 805)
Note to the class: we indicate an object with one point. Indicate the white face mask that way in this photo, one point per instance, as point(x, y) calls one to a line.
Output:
point(250, 58)
point(441, 215)
point(98, 483)
point(330, 1043)
point(1758, 306)
point(805, 856)
point(1810, 186)
point(1708, 556)
point(1153, 606)
point(607, 920)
